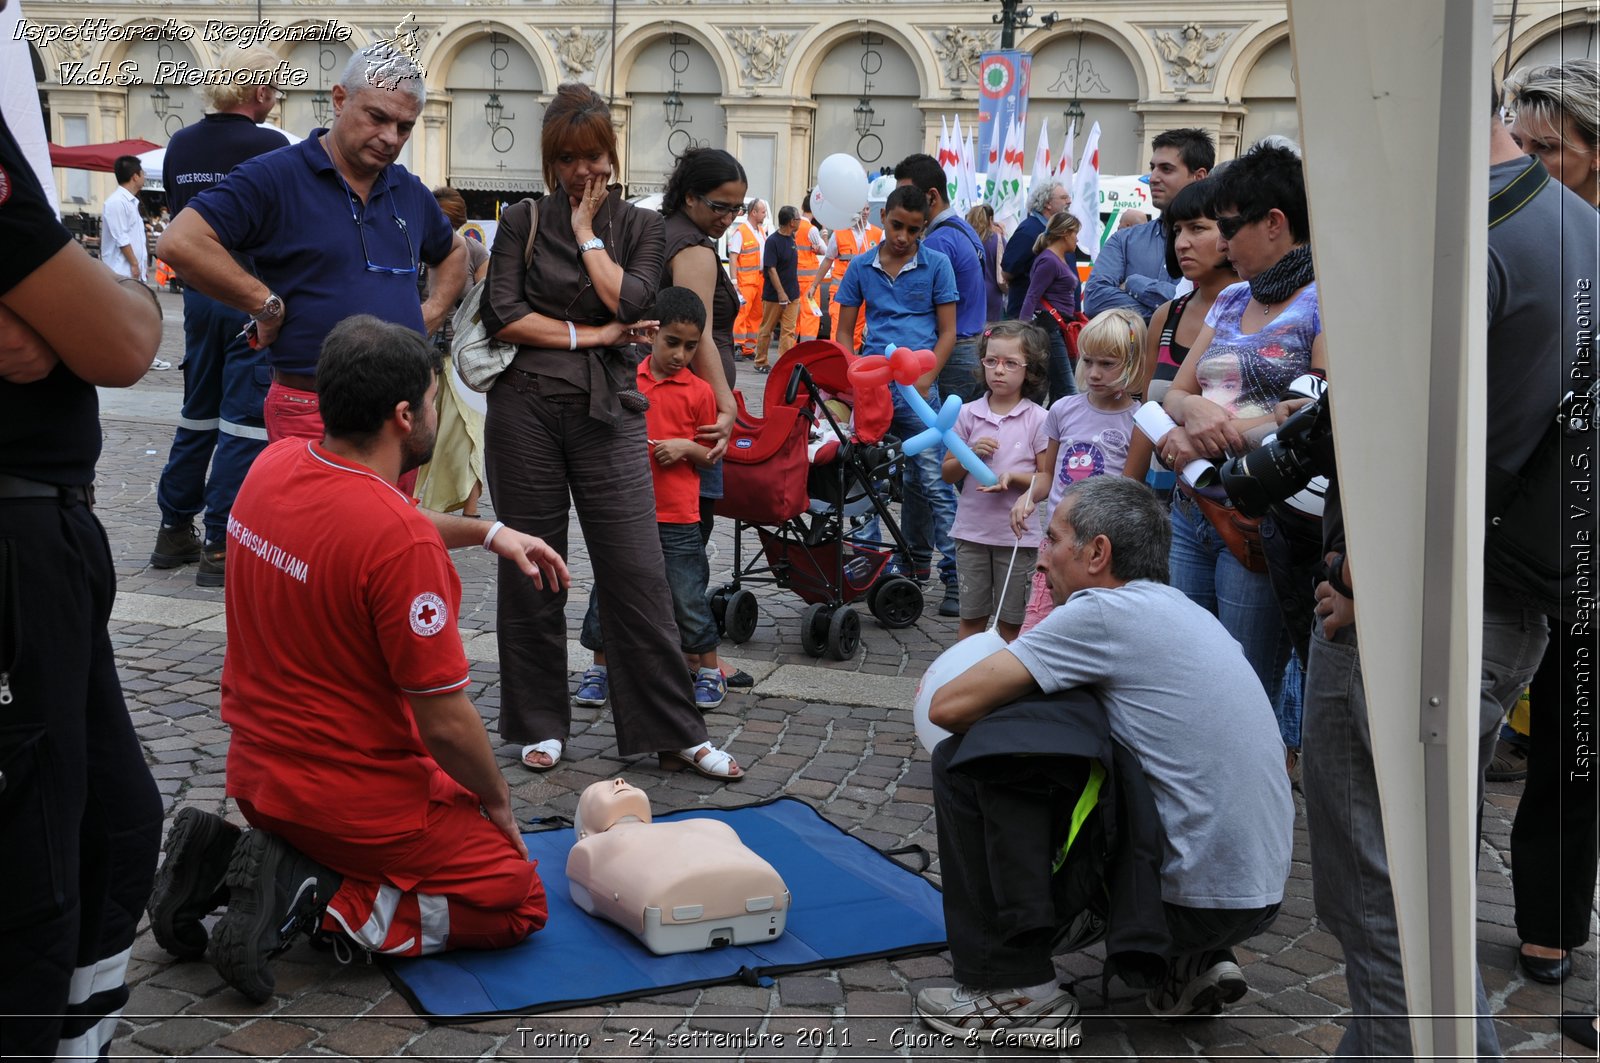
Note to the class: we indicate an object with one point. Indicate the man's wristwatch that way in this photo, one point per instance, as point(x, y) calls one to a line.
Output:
point(594, 243)
point(271, 308)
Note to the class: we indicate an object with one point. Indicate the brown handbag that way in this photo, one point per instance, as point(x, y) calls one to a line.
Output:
point(1240, 534)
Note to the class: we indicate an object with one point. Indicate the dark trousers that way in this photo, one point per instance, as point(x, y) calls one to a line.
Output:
point(1553, 835)
point(543, 453)
point(1000, 911)
point(221, 426)
point(687, 572)
point(80, 819)
point(1058, 365)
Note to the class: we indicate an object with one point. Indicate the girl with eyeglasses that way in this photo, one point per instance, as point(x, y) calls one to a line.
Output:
point(1005, 427)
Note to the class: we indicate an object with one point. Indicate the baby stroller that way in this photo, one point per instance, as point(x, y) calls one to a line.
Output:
point(803, 477)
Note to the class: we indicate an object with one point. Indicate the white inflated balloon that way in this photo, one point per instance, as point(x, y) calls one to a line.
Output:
point(951, 663)
point(472, 400)
point(841, 191)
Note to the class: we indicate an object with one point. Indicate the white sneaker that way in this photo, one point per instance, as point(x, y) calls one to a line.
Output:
point(160, 363)
point(1198, 984)
point(1004, 1017)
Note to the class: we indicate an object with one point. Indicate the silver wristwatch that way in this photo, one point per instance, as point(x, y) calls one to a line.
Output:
point(594, 243)
point(271, 308)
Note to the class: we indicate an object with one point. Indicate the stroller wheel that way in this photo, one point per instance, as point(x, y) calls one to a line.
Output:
point(844, 633)
point(896, 602)
point(814, 629)
point(741, 616)
point(719, 606)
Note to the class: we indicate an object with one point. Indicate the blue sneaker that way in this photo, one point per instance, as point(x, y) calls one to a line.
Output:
point(593, 688)
point(710, 690)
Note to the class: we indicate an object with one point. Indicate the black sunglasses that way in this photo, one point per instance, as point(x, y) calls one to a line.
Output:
point(1229, 227)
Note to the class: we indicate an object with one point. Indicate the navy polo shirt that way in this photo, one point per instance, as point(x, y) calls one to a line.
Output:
point(900, 309)
point(201, 155)
point(293, 214)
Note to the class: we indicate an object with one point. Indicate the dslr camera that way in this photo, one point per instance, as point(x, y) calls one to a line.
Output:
point(1291, 465)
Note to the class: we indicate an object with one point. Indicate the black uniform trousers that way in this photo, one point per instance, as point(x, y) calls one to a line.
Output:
point(80, 818)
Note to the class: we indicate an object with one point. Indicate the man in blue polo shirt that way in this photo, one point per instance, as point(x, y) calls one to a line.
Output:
point(910, 294)
point(950, 235)
point(335, 227)
point(1131, 269)
point(221, 422)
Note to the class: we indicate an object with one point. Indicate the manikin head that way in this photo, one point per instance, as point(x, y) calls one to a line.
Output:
point(604, 805)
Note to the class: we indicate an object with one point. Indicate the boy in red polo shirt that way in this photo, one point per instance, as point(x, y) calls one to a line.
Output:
point(679, 402)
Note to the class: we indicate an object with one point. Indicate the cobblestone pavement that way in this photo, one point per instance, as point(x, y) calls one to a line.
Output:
point(837, 734)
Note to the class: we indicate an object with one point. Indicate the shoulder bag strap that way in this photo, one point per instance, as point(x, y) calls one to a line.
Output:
point(533, 230)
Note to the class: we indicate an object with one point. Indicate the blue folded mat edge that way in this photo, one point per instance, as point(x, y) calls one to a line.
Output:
point(745, 975)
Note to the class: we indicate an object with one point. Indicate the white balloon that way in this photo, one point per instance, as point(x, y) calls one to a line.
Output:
point(951, 663)
point(476, 401)
point(841, 191)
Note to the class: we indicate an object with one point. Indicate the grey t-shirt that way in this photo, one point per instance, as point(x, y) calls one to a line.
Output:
point(1182, 698)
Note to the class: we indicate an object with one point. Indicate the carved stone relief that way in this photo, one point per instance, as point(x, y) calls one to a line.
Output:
point(1189, 54)
point(762, 52)
point(578, 50)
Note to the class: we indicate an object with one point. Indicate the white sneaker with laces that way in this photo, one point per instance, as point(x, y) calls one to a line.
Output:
point(1199, 983)
point(1003, 1017)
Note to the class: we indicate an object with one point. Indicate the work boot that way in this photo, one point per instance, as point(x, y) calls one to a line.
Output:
point(176, 545)
point(213, 566)
point(189, 885)
point(276, 893)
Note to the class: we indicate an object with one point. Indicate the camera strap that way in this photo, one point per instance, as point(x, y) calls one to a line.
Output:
point(1519, 193)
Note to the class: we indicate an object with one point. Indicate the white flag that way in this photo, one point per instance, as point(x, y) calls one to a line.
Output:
point(1086, 194)
point(1041, 156)
point(992, 192)
point(1064, 163)
point(952, 168)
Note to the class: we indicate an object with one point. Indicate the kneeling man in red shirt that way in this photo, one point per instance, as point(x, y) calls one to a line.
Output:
point(381, 815)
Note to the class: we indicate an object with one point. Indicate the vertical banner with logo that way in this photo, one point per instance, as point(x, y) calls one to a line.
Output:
point(1003, 79)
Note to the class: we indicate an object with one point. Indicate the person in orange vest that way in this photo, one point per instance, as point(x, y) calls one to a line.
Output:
point(742, 245)
point(844, 245)
point(808, 243)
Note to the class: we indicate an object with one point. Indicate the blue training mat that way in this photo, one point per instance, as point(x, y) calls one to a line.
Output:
point(849, 903)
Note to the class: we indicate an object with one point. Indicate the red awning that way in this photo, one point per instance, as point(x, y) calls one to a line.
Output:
point(101, 157)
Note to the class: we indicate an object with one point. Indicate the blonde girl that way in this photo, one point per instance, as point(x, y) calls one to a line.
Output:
point(1088, 432)
point(1006, 429)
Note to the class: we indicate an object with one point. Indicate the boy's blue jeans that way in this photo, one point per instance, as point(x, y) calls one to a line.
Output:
point(688, 572)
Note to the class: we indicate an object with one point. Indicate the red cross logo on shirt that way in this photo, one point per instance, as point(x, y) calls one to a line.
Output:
point(428, 614)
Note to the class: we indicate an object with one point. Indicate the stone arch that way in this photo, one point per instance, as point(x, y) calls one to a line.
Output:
point(441, 52)
point(181, 104)
point(632, 44)
point(1269, 95)
point(657, 66)
point(830, 70)
point(1112, 71)
point(1245, 54)
point(1574, 31)
point(482, 64)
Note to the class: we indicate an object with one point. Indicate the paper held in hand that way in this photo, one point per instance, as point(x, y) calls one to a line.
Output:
point(1153, 421)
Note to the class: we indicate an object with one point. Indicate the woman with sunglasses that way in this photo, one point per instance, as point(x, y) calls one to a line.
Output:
point(564, 427)
point(1257, 338)
point(1556, 119)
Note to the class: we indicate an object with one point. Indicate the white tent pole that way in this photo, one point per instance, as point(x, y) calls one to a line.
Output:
point(1392, 95)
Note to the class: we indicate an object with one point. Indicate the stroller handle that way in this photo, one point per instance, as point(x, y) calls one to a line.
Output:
point(793, 390)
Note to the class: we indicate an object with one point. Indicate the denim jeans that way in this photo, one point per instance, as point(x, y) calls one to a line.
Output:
point(1202, 568)
point(928, 505)
point(688, 572)
point(221, 425)
point(960, 374)
point(1349, 861)
point(1059, 363)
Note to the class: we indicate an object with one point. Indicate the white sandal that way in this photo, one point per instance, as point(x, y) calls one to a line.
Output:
point(703, 759)
point(550, 747)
